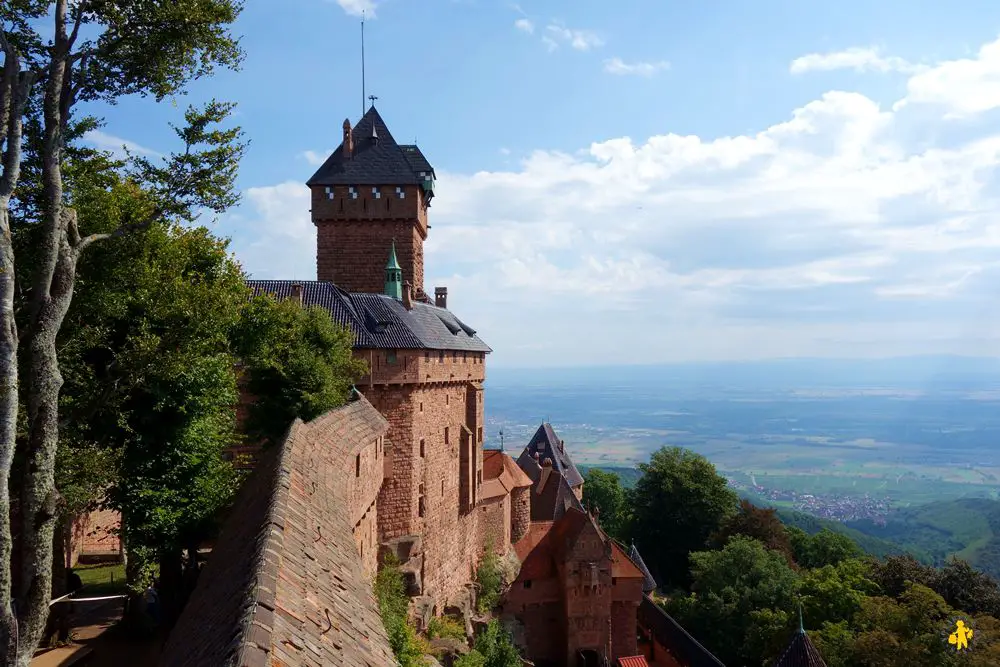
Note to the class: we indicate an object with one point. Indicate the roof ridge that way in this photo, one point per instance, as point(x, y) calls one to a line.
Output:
point(265, 585)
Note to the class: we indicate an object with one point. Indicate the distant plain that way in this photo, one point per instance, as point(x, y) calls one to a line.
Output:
point(914, 430)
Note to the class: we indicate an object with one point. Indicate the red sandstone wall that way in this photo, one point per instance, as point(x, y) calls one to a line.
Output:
point(544, 633)
point(623, 629)
point(363, 494)
point(353, 236)
point(494, 524)
point(434, 398)
point(93, 535)
point(520, 513)
point(422, 367)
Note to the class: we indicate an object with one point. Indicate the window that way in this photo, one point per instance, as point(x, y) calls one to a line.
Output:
point(357, 465)
point(480, 434)
point(446, 435)
point(441, 355)
point(454, 356)
point(442, 488)
point(421, 448)
point(421, 406)
point(447, 399)
point(427, 355)
point(614, 581)
point(463, 357)
point(390, 357)
point(527, 583)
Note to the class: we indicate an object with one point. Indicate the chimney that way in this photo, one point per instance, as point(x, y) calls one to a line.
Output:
point(441, 297)
point(544, 477)
point(407, 295)
point(297, 293)
point(348, 140)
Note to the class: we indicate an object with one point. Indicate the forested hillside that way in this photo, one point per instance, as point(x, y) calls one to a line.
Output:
point(968, 528)
point(735, 575)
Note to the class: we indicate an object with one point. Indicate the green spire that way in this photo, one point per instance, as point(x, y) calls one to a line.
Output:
point(393, 275)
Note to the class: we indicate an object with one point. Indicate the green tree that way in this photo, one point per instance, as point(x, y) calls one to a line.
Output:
point(824, 548)
point(603, 491)
point(677, 504)
point(495, 646)
point(912, 630)
point(834, 593)
point(742, 600)
point(297, 361)
point(390, 592)
point(762, 524)
point(89, 52)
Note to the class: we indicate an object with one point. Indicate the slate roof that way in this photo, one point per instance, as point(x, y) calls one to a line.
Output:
point(379, 321)
point(550, 500)
point(548, 445)
point(649, 585)
point(671, 635)
point(382, 162)
point(284, 584)
point(800, 652)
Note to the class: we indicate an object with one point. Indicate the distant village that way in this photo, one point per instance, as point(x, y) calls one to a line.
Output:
point(824, 505)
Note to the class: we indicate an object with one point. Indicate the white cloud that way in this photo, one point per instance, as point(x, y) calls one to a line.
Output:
point(364, 8)
point(639, 68)
point(860, 59)
point(845, 228)
point(525, 25)
point(316, 158)
point(116, 145)
point(557, 34)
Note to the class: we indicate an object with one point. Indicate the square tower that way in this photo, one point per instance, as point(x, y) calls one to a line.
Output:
point(370, 193)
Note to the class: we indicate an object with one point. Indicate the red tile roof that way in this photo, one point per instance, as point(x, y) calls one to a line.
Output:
point(284, 584)
point(501, 475)
point(633, 661)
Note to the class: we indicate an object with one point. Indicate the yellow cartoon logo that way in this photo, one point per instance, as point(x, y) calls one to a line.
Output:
point(960, 638)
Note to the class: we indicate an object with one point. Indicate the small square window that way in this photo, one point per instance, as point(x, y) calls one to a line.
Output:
point(527, 583)
point(390, 357)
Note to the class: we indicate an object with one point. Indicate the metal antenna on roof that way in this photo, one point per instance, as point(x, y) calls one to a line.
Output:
point(363, 62)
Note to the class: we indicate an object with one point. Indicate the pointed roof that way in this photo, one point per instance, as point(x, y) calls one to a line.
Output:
point(393, 263)
point(648, 584)
point(800, 652)
point(548, 446)
point(376, 160)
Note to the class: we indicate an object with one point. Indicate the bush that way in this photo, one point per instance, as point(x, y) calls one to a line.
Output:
point(446, 627)
point(494, 648)
point(392, 605)
point(489, 578)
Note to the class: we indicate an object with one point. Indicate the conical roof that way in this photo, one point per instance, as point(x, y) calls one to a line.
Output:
point(648, 583)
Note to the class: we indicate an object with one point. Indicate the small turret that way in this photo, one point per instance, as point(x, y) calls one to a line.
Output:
point(393, 275)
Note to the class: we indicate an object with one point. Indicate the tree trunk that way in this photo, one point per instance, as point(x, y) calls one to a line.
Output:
point(15, 87)
point(8, 432)
point(52, 291)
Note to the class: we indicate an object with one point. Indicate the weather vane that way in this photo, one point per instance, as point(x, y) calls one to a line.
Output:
point(372, 98)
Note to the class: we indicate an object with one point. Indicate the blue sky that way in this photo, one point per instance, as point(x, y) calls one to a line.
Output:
point(648, 180)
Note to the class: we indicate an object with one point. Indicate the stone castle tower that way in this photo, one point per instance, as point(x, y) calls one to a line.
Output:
point(370, 193)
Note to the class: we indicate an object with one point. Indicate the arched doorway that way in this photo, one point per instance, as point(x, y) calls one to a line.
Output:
point(588, 658)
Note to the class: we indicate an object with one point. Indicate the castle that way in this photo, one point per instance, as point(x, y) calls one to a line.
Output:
point(400, 469)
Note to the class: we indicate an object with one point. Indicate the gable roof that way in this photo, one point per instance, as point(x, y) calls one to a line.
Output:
point(284, 584)
point(548, 445)
point(551, 495)
point(379, 321)
point(381, 162)
point(800, 652)
point(649, 583)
